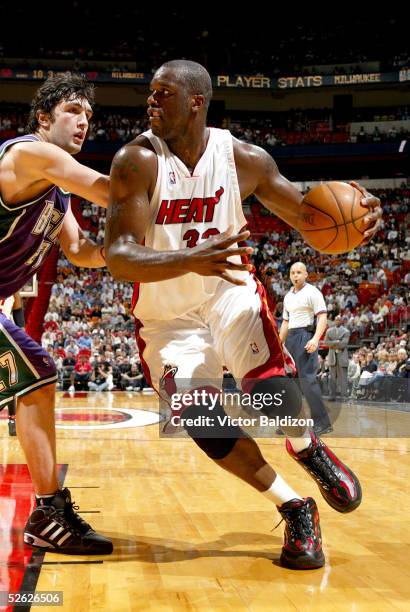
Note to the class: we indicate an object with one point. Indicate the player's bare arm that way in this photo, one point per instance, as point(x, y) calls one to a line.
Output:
point(258, 173)
point(133, 176)
point(79, 249)
point(28, 168)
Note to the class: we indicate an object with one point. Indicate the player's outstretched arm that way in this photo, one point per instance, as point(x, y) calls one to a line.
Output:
point(43, 160)
point(260, 175)
point(133, 178)
point(79, 249)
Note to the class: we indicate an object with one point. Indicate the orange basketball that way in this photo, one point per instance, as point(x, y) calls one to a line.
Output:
point(331, 218)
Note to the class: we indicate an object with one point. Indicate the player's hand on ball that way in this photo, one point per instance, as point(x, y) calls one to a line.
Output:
point(374, 218)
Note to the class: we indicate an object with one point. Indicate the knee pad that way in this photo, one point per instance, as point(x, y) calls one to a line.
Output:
point(209, 431)
point(215, 448)
point(278, 395)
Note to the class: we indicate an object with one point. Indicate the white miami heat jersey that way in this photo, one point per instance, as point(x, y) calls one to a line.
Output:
point(186, 210)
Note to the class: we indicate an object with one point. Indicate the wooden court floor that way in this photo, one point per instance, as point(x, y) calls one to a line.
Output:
point(189, 536)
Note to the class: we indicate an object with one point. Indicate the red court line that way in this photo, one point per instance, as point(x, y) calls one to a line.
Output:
point(18, 565)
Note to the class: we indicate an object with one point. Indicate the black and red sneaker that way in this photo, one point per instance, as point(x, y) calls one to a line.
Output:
point(302, 548)
point(337, 483)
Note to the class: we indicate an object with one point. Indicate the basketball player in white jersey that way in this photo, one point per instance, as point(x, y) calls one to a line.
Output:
point(172, 188)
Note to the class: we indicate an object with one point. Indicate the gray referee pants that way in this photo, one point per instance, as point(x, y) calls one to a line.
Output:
point(307, 365)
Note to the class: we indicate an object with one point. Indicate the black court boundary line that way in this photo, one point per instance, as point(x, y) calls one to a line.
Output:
point(99, 561)
point(33, 569)
point(80, 487)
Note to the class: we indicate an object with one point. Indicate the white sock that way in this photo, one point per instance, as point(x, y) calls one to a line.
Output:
point(41, 499)
point(300, 444)
point(280, 492)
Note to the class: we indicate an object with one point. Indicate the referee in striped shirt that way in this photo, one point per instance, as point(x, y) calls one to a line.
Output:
point(302, 304)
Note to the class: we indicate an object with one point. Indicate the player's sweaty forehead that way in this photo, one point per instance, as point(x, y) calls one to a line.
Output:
point(78, 103)
point(167, 77)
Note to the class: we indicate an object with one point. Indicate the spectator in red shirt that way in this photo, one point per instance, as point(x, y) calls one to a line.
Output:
point(82, 374)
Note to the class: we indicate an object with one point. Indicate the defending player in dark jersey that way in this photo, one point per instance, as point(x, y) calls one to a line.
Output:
point(37, 172)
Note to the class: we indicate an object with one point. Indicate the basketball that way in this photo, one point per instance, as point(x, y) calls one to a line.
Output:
point(331, 218)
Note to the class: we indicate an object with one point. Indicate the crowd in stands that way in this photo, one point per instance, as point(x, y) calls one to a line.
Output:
point(296, 126)
point(318, 126)
point(263, 133)
point(89, 329)
point(377, 374)
point(369, 288)
point(289, 44)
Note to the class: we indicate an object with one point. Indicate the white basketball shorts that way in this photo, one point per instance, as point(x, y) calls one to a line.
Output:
point(234, 328)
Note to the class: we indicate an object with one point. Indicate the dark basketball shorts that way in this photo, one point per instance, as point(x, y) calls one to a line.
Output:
point(24, 364)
